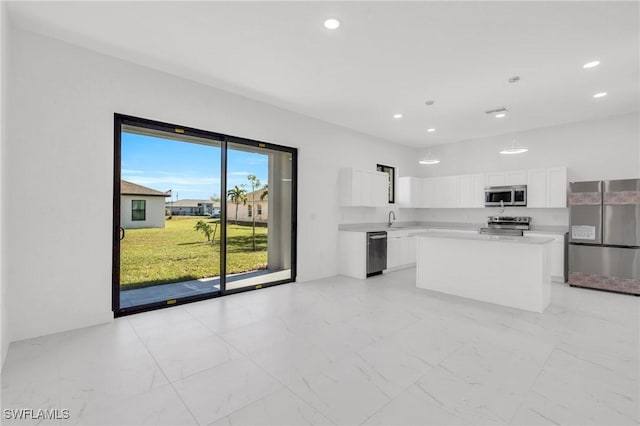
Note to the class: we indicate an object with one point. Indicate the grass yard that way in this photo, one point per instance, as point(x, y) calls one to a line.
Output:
point(179, 253)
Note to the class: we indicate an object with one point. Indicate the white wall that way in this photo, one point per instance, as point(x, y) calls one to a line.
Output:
point(154, 214)
point(4, 305)
point(601, 149)
point(61, 111)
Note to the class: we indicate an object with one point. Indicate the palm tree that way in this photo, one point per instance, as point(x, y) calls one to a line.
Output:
point(237, 195)
point(265, 192)
point(255, 183)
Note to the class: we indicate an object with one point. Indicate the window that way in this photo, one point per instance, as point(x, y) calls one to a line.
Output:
point(250, 212)
point(391, 171)
point(138, 209)
point(259, 213)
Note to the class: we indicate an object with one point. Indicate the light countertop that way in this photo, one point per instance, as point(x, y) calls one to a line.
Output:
point(463, 226)
point(400, 226)
point(485, 237)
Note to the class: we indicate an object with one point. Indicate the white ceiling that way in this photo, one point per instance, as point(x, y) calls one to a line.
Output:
point(386, 57)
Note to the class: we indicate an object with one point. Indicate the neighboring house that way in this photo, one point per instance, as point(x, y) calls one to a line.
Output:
point(141, 207)
point(191, 207)
point(259, 207)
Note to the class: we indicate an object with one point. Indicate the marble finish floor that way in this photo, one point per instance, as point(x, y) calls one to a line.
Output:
point(341, 351)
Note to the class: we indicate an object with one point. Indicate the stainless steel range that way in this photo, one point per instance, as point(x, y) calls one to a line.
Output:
point(507, 225)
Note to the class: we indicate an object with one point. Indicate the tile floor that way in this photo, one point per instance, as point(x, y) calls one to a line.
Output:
point(341, 351)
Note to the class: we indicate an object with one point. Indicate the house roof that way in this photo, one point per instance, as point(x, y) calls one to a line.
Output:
point(128, 188)
point(190, 202)
point(257, 195)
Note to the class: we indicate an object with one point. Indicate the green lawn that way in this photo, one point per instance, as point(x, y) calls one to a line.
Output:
point(179, 253)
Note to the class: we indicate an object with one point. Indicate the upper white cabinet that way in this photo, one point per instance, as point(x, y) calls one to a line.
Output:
point(410, 191)
point(513, 177)
point(516, 177)
point(446, 192)
point(429, 186)
point(556, 187)
point(363, 188)
point(470, 190)
point(495, 179)
point(536, 188)
point(545, 188)
point(477, 193)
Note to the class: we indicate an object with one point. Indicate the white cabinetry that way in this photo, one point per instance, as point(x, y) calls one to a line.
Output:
point(536, 188)
point(516, 177)
point(556, 187)
point(363, 188)
point(513, 177)
point(470, 190)
point(401, 248)
point(352, 254)
point(429, 186)
point(446, 192)
point(547, 187)
point(410, 191)
point(495, 179)
point(557, 253)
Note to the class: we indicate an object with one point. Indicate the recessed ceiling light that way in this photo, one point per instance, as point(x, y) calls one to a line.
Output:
point(502, 114)
point(431, 130)
point(591, 64)
point(331, 24)
point(397, 115)
point(600, 95)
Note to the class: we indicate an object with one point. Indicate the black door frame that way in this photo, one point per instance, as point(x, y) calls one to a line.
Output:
point(119, 121)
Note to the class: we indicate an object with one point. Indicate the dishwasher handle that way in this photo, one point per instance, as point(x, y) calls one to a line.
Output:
point(377, 237)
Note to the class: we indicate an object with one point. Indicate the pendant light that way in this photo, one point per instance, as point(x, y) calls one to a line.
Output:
point(429, 159)
point(514, 147)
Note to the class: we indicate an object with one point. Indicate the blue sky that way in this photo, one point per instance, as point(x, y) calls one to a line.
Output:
point(190, 170)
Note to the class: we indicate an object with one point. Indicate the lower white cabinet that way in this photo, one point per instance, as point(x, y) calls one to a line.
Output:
point(557, 254)
point(401, 248)
point(352, 251)
point(352, 254)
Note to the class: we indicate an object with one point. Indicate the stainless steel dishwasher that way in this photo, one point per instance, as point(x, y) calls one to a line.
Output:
point(376, 252)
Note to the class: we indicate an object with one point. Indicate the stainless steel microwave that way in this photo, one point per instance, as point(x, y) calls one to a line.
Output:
point(498, 196)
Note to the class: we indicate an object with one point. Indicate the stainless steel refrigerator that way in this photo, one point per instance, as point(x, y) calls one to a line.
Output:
point(604, 235)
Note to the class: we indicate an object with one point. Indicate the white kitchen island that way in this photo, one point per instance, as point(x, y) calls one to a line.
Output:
point(505, 270)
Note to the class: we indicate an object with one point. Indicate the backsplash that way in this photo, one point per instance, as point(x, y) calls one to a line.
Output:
point(548, 217)
point(375, 214)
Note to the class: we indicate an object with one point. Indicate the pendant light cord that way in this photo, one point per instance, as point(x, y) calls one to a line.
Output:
point(512, 81)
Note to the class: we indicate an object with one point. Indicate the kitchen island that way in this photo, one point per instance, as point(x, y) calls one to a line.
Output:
point(505, 270)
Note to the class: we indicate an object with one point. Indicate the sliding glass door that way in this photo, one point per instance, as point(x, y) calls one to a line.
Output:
point(198, 215)
point(259, 215)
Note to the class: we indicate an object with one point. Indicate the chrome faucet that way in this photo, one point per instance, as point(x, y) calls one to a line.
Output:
point(501, 206)
point(391, 213)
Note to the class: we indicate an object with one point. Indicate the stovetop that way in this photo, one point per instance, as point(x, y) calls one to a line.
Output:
point(506, 225)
